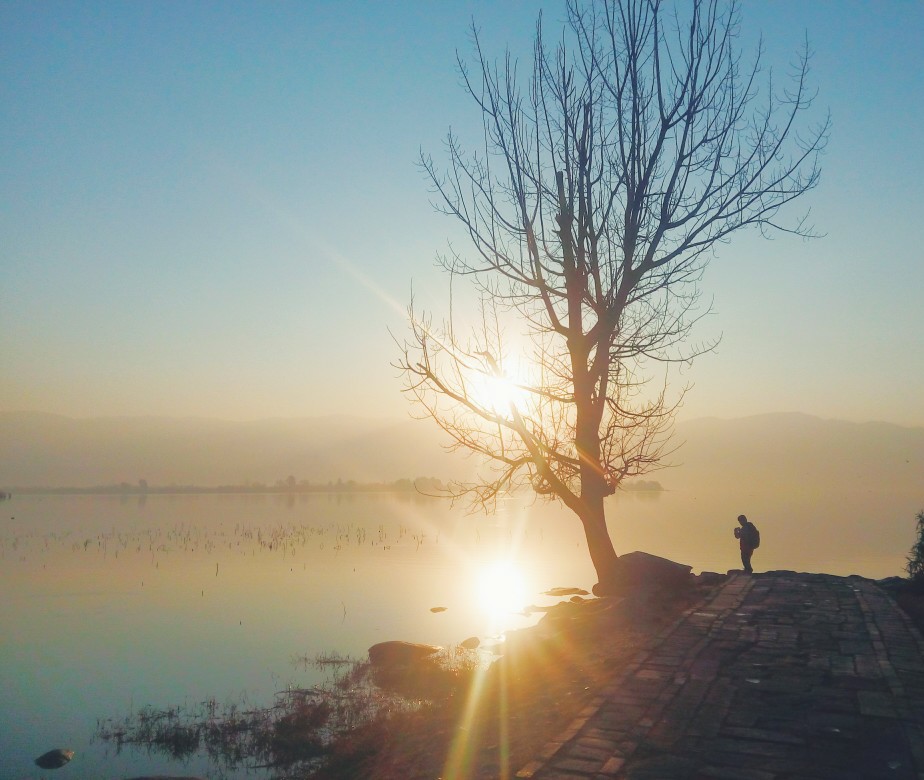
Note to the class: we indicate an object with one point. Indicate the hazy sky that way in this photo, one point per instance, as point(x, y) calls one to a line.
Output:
point(213, 209)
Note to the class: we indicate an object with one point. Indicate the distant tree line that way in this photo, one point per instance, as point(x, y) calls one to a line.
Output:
point(431, 486)
point(426, 485)
point(642, 484)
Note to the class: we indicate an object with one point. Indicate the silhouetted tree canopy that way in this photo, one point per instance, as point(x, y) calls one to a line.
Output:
point(607, 173)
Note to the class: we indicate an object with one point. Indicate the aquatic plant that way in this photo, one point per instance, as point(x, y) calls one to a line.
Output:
point(915, 566)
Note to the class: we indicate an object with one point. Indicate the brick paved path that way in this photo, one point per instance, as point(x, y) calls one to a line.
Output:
point(780, 675)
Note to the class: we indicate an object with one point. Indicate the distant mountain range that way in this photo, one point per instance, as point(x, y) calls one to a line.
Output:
point(38, 449)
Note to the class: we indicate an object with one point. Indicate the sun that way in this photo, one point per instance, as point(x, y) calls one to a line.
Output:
point(499, 393)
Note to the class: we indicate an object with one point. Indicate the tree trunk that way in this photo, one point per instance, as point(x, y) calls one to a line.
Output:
point(599, 544)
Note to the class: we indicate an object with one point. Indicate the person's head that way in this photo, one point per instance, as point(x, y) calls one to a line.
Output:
point(742, 519)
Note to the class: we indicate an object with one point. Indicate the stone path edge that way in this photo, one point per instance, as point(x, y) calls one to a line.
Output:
point(612, 767)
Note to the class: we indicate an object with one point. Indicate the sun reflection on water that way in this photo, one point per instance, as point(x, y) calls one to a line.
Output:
point(501, 589)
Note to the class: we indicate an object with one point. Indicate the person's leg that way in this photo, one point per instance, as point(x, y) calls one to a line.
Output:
point(746, 560)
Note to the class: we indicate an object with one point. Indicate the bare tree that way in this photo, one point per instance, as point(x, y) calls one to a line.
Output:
point(606, 179)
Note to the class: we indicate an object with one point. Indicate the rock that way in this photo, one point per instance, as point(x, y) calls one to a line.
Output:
point(54, 759)
point(397, 653)
point(566, 592)
point(710, 578)
point(437, 609)
point(657, 767)
point(471, 643)
point(642, 572)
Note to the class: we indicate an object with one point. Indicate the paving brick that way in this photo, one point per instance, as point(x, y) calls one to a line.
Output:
point(733, 773)
point(578, 765)
point(596, 733)
point(876, 704)
point(612, 766)
point(765, 735)
point(549, 750)
point(598, 755)
point(595, 743)
point(572, 730)
point(749, 747)
point(531, 769)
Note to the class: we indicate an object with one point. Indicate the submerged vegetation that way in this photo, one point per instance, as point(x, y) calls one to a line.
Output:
point(305, 729)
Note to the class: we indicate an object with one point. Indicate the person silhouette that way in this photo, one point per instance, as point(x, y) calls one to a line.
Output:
point(748, 540)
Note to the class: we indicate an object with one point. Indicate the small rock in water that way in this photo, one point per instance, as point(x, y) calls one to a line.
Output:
point(566, 592)
point(471, 643)
point(438, 609)
point(54, 759)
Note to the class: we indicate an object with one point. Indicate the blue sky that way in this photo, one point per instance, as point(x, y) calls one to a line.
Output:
point(213, 209)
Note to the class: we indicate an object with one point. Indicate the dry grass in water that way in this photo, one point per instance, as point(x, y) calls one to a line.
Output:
point(304, 727)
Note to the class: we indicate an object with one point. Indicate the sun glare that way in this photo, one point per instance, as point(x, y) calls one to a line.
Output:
point(498, 393)
point(501, 589)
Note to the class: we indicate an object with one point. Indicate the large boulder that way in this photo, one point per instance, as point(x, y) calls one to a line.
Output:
point(643, 573)
point(396, 653)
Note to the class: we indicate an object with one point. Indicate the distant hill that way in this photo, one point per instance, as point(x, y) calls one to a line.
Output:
point(47, 450)
point(779, 450)
point(782, 450)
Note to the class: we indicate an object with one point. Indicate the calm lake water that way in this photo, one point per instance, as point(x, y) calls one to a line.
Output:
point(110, 603)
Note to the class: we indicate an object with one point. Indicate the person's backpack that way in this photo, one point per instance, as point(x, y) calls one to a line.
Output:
point(755, 536)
